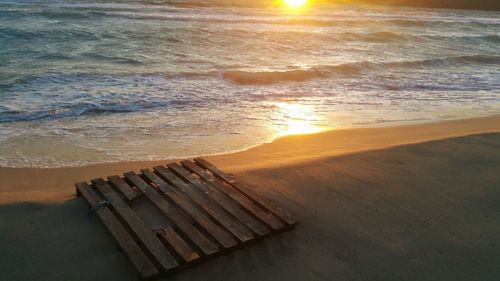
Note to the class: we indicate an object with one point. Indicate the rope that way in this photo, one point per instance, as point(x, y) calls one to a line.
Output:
point(96, 207)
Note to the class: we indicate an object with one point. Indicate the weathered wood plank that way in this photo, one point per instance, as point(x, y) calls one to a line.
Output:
point(125, 189)
point(179, 245)
point(267, 218)
point(215, 231)
point(213, 209)
point(282, 214)
point(178, 218)
point(146, 236)
point(224, 201)
point(219, 173)
point(140, 261)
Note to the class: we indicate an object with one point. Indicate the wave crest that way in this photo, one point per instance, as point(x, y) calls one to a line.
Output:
point(300, 75)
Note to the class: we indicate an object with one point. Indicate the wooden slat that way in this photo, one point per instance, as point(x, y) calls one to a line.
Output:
point(179, 245)
point(285, 216)
point(156, 248)
point(125, 189)
point(178, 218)
point(209, 166)
point(229, 205)
point(215, 231)
point(141, 262)
point(258, 212)
point(214, 210)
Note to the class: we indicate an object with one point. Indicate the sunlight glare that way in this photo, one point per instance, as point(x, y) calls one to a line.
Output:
point(298, 119)
point(295, 3)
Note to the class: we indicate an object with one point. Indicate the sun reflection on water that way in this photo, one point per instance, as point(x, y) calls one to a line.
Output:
point(297, 119)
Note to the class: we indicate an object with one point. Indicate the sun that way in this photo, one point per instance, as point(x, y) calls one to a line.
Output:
point(295, 3)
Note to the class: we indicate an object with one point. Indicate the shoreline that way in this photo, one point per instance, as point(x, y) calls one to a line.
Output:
point(324, 130)
point(56, 184)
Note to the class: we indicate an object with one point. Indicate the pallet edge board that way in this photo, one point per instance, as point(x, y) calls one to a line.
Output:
point(141, 262)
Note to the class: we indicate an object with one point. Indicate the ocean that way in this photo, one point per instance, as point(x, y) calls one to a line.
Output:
point(85, 82)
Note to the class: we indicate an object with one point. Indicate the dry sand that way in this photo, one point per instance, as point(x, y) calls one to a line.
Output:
point(415, 202)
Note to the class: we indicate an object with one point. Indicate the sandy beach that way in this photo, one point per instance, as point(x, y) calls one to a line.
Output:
point(413, 202)
point(375, 124)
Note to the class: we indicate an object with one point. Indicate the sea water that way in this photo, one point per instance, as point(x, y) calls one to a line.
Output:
point(85, 82)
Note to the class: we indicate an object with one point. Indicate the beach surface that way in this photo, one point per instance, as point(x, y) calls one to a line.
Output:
point(411, 202)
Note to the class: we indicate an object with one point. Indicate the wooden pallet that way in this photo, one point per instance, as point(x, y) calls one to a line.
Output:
point(174, 216)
